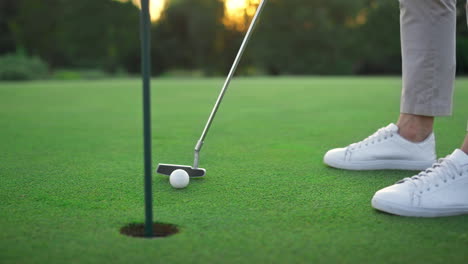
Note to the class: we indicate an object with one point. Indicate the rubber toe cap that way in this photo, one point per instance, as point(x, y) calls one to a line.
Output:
point(334, 157)
point(397, 194)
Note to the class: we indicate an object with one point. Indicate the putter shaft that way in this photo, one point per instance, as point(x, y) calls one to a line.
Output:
point(247, 37)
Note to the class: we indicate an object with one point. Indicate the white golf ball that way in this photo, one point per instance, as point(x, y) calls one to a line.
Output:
point(179, 179)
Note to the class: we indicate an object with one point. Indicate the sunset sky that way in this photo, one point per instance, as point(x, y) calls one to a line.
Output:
point(236, 10)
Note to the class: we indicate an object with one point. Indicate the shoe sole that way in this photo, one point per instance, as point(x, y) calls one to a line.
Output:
point(382, 165)
point(397, 209)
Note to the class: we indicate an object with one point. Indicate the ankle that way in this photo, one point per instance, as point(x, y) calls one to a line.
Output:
point(415, 128)
point(464, 147)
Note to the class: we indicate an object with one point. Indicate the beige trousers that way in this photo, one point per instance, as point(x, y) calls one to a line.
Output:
point(428, 56)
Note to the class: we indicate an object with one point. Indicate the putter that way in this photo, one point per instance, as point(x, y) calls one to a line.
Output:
point(195, 171)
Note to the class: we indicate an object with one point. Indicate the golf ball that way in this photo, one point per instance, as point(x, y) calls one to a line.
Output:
point(179, 179)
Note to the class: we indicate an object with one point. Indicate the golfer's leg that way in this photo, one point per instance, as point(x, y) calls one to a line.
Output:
point(428, 56)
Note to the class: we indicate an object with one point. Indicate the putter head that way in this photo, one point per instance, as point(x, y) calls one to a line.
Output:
point(167, 169)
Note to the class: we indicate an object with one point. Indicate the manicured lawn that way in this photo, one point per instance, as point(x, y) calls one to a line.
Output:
point(71, 173)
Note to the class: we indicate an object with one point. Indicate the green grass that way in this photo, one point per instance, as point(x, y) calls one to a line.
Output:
point(71, 173)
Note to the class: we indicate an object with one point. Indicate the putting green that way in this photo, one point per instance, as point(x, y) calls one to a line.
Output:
point(71, 168)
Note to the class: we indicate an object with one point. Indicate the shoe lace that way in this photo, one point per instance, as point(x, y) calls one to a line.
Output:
point(440, 172)
point(381, 134)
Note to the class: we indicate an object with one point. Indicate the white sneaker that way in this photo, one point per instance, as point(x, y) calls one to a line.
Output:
point(385, 149)
point(441, 190)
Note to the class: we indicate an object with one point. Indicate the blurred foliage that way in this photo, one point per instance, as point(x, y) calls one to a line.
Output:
point(190, 36)
point(328, 37)
point(85, 33)
point(293, 37)
point(183, 74)
point(77, 74)
point(19, 67)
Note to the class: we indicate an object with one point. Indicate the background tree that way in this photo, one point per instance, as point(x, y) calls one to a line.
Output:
point(188, 36)
point(293, 37)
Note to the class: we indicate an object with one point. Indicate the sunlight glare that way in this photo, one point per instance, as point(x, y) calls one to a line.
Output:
point(238, 11)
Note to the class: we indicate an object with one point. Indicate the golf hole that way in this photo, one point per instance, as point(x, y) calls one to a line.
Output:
point(160, 230)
